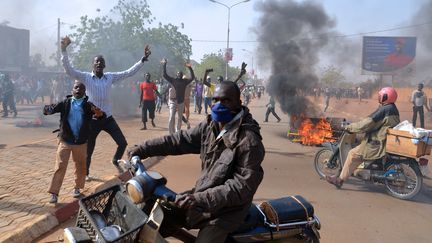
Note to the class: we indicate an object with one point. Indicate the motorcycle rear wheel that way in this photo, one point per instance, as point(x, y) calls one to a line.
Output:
point(406, 182)
point(323, 166)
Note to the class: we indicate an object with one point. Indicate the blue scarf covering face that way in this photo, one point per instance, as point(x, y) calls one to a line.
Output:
point(220, 113)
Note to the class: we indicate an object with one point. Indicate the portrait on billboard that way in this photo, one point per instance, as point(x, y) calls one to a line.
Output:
point(388, 54)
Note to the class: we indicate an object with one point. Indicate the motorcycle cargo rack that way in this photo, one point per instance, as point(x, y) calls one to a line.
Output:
point(401, 143)
point(117, 209)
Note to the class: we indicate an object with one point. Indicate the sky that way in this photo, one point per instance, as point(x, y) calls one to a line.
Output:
point(204, 22)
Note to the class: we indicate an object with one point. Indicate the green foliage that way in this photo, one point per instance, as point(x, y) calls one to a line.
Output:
point(332, 76)
point(217, 62)
point(122, 35)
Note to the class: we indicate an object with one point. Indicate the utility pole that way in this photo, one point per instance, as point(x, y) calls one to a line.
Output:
point(58, 43)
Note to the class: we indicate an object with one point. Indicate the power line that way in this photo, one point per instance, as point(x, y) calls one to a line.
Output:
point(336, 36)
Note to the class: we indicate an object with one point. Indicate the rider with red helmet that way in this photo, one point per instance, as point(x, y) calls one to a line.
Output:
point(375, 127)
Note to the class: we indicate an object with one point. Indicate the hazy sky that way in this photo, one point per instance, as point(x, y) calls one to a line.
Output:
point(203, 20)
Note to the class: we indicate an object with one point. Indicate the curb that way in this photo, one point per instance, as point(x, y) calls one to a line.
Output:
point(32, 230)
point(44, 223)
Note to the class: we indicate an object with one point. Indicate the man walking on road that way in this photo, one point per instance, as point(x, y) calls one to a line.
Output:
point(178, 84)
point(271, 109)
point(419, 99)
point(99, 86)
point(7, 92)
point(148, 100)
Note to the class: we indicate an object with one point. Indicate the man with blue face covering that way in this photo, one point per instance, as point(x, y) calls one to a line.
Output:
point(231, 151)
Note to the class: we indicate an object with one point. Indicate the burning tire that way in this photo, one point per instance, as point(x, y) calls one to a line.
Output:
point(324, 166)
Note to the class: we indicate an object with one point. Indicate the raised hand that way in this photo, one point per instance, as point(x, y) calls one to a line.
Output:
point(243, 68)
point(147, 53)
point(65, 42)
point(209, 70)
point(189, 65)
point(164, 61)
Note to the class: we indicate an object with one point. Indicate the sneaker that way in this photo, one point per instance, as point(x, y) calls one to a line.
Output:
point(89, 178)
point(76, 193)
point(54, 198)
point(279, 120)
point(118, 167)
point(265, 121)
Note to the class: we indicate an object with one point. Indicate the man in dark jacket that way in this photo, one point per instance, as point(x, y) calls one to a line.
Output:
point(231, 151)
point(75, 116)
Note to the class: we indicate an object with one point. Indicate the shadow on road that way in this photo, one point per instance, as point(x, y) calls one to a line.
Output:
point(424, 196)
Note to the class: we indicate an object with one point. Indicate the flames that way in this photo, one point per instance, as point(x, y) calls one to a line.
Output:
point(310, 133)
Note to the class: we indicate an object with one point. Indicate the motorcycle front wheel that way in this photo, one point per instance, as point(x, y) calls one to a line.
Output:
point(403, 179)
point(323, 166)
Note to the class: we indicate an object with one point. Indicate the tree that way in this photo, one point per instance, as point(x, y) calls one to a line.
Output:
point(217, 62)
point(332, 76)
point(122, 36)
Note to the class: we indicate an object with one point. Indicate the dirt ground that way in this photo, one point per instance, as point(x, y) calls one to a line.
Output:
point(360, 212)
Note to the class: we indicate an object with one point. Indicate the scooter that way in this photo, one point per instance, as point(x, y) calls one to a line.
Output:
point(288, 219)
point(400, 175)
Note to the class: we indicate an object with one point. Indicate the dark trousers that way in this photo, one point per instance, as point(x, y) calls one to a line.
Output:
point(271, 110)
point(148, 105)
point(207, 103)
point(420, 111)
point(110, 126)
point(198, 103)
point(8, 100)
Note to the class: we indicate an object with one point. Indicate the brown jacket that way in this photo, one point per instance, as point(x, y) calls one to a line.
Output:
point(231, 168)
point(375, 128)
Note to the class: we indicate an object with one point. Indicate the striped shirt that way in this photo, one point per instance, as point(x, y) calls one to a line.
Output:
point(98, 89)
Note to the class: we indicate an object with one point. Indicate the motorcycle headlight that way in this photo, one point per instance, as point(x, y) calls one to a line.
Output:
point(135, 191)
point(141, 187)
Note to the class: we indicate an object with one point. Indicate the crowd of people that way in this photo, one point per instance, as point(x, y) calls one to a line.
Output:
point(229, 135)
point(25, 89)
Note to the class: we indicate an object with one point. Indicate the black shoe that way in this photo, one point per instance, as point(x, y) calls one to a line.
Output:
point(279, 120)
point(335, 180)
point(153, 124)
point(265, 121)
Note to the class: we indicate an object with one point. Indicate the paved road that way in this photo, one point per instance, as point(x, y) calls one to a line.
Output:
point(357, 213)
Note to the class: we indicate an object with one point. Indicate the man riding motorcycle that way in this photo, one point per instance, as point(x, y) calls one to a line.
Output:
point(375, 127)
point(231, 151)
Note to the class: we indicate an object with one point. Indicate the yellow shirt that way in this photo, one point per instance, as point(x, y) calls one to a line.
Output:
point(209, 91)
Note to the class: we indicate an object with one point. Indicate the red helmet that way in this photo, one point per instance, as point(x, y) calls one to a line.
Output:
point(387, 95)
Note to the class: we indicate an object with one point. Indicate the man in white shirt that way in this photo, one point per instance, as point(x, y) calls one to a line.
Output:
point(98, 86)
point(419, 99)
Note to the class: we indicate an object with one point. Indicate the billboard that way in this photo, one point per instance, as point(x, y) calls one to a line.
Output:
point(388, 54)
point(14, 48)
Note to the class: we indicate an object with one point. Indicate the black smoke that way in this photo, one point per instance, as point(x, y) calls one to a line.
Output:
point(291, 36)
point(422, 29)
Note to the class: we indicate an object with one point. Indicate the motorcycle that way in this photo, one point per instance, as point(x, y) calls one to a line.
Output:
point(288, 219)
point(400, 175)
